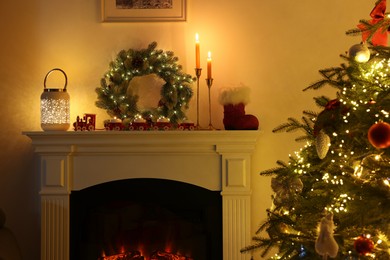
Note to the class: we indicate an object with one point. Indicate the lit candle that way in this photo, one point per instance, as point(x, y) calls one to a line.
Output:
point(115, 120)
point(197, 54)
point(163, 119)
point(209, 66)
point(139, 119)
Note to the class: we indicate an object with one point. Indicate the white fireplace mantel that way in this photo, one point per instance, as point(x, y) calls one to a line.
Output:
point(216, 160)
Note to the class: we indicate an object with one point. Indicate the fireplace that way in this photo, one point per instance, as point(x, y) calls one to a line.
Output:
point(74, 162)
point(144, 217)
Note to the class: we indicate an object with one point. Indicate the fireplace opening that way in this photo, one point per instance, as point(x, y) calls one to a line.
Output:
point(145, 219)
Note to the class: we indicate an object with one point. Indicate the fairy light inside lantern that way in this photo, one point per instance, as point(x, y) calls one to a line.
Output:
point(55, 111)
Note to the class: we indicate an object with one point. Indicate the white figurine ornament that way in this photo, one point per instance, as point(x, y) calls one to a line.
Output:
point(326, 245)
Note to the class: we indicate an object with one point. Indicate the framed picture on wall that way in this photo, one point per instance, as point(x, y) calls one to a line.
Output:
point(143, 10)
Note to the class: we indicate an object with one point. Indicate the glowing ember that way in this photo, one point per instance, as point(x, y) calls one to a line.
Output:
point(160, 255)
point(136, 255)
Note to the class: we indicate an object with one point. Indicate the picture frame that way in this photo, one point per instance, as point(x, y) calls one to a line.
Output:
point(138, 11)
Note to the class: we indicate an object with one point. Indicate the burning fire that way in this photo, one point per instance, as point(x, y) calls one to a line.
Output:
point(136, 255)
point(151, 249)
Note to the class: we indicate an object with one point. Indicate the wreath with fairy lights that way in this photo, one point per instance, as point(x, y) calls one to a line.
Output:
point(117, 98)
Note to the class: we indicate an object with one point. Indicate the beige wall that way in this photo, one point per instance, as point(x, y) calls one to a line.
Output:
point(274, 47)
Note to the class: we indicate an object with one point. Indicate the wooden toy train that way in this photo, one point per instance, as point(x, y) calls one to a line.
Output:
point(88, 122)
point(161, 124)
point(114, 125)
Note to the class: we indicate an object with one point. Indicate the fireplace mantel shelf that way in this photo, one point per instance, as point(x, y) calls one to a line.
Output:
point(216, 160)
point(140, 138)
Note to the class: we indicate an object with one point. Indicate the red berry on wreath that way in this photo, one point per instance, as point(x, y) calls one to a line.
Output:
point(379, 135)
point(363, 245)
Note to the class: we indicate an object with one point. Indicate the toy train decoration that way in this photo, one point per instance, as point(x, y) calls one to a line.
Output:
point(140, 124)
point(88, 122)
point(114, 125)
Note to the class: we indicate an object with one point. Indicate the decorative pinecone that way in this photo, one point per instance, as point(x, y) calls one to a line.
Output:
point(322, 144)
point(138, 62)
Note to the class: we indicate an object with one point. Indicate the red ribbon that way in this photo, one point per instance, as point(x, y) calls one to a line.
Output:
point(377, 14)
point(333, 104)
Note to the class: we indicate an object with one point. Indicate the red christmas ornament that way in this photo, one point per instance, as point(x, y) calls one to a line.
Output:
point(379, 135)
point(363, 245)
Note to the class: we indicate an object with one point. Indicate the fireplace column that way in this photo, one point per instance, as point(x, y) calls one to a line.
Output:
point(55, 168)
point(236, 199)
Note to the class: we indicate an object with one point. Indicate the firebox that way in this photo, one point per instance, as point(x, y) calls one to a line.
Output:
point(145, 219)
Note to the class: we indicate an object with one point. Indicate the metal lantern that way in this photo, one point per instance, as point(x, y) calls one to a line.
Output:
point(55, 112)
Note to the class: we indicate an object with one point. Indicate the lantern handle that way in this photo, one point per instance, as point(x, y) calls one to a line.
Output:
point(63, 72)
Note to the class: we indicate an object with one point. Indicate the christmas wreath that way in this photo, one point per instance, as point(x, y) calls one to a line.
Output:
point(120, 100)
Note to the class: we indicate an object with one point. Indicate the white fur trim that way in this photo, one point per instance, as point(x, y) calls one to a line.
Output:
point(235, 95)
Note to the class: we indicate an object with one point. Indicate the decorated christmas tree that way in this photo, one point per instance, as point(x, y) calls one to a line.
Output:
point(332, 198)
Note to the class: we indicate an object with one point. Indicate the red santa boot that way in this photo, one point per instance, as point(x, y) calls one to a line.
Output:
point(234, 101)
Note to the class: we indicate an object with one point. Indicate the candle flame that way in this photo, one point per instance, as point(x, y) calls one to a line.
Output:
point(197, 38)
point(209, 55)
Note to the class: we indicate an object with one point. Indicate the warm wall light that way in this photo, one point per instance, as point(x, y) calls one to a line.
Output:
point(55, 112)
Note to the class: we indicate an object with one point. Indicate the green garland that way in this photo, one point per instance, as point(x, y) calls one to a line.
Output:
point(175, 93)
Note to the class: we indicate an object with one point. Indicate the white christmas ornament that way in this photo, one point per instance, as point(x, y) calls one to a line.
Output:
point(326, 245)
point(322, 144)
point(360, 52)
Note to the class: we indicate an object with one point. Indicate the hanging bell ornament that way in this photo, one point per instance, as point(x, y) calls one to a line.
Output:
point(55, 112)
